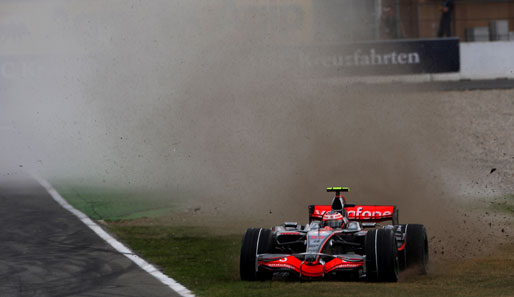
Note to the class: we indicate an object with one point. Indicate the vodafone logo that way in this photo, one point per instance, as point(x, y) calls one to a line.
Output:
point(347, 265)
point(283, 260)
point(280, 265)
point(360, 212)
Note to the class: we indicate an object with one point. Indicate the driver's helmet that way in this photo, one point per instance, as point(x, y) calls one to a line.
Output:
point(332, 219)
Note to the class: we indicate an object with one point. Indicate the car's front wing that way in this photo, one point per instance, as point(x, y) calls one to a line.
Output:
point(311, 269)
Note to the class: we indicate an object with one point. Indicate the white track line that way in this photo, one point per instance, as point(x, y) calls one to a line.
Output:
point(171, 283)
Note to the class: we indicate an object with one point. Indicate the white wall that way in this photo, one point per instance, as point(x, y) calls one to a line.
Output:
point(484, 60)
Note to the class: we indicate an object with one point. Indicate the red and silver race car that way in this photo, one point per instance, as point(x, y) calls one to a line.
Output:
point(341, 241)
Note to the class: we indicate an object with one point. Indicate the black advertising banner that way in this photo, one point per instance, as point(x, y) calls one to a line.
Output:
point(383, 57)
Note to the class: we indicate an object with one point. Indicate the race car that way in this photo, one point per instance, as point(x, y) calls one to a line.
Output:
point(342, 241)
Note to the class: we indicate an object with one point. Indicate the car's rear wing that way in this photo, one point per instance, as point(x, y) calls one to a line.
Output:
point(363, 213)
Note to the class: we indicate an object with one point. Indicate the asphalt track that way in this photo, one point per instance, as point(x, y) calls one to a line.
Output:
point(47, 251)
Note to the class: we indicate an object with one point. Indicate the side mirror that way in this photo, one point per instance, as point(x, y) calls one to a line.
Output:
point(369, 225)
point(290, 224)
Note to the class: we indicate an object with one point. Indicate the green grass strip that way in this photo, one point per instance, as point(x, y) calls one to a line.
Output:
point(108, 204)
point(209, 265)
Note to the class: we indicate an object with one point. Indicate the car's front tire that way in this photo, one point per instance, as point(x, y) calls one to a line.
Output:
point(381, 256)
point(248, 268)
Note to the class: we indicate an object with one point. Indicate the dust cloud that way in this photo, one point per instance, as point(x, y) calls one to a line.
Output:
point(200, 100)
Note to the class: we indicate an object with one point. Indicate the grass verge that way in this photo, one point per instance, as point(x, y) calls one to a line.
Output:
point(209, 265)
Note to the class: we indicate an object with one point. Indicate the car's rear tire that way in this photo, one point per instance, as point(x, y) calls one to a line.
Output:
point(381, 256)
point(248, 263)
point(416, 248)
